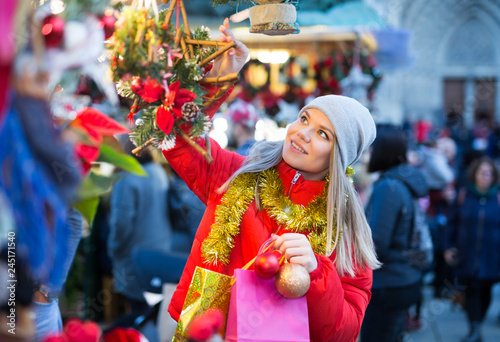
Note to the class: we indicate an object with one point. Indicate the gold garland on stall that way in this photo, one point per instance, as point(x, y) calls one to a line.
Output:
point(295, 217)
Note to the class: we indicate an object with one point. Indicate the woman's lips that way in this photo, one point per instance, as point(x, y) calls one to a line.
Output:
point(297, 147)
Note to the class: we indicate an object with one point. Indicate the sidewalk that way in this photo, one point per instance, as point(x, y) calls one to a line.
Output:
point(446, 322)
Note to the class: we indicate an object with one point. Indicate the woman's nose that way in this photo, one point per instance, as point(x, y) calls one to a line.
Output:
point(304, 134)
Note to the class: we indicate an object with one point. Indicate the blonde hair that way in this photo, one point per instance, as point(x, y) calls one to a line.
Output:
point(356, 246)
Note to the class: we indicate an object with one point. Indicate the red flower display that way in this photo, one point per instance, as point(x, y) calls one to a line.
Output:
point(123, 335)
point(205, 325)
point(152, 90)
point(172, 106)
point(95, 125)
point(75, 330)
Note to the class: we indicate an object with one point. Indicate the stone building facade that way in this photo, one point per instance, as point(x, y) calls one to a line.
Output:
point(456, 64)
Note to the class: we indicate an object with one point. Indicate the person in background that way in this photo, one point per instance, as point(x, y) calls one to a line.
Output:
point(439, 176)
point(473, 241)
point(440, 201)
point(243, 118)
point(185, 211)
point(390, 214)
point(138, 221)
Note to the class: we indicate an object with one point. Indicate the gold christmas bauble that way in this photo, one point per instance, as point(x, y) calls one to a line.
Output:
point(292, 281)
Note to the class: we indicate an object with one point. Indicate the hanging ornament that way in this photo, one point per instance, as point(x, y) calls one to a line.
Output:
point(273, 17)
point(136, 85)
point(75, 34)
point(139, 122)
point(292, 281)
point(190, 111)
point(356, 84)
point(266, 265)
point(108, 24)
point(53, 30)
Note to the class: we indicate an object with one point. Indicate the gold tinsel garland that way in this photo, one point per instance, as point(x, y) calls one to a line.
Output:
point(295, 217)
point(219, 243)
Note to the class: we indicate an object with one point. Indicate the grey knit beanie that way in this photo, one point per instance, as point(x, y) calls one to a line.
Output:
point(353, 124)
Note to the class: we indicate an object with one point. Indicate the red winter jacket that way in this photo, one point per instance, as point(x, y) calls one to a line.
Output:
point(336, 305)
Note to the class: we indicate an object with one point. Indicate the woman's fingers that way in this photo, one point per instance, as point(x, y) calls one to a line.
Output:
point(226, 31)
point(291, 252)
point(289, 244)
point(297, 249)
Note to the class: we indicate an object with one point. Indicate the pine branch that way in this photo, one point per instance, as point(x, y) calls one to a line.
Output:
point(198, 127)
point(147, 129)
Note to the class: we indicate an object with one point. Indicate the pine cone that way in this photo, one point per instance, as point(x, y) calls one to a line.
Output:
point(190, 111)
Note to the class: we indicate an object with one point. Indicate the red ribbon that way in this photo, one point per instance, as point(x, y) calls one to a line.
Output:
point(130, 116)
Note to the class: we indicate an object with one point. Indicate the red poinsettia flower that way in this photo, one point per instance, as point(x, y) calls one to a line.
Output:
point(152, 90)
point(123, 335)
point(164, 119)
point(75, 330)
point(96, 125)
point(205, 325)
point(172, 106)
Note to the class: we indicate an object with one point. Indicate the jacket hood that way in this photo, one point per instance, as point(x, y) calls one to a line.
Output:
point(411, 177)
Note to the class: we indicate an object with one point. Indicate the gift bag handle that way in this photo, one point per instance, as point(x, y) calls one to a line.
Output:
point(266, 246)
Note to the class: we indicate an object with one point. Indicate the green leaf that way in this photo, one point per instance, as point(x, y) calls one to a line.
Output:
point(88, 208)
point(94, 185)
point(123, 161)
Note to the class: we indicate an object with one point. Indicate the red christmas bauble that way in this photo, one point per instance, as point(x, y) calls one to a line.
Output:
point(266, 265)
point(108, 24)
point(136, 85)
point(53, 30)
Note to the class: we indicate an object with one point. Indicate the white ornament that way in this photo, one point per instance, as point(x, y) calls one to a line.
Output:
point(356, 85)
point(75, 35)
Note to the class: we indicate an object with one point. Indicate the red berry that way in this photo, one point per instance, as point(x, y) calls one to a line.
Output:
point(266, 265)
point(136, 85)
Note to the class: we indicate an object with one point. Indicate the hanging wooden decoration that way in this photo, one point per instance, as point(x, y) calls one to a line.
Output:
point(271, 17)
point(159, 65)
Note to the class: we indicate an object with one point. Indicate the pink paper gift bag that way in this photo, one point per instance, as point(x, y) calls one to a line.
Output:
point(257, 312)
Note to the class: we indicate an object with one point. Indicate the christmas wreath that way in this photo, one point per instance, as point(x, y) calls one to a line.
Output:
point(159, 66)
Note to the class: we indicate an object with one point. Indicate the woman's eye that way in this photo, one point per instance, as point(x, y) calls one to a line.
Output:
point(303, 119)
point(323, 134)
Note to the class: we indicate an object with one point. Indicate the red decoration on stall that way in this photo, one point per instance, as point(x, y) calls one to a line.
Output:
point(53, 30)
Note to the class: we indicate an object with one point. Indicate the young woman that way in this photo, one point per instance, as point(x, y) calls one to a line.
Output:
point(473, 241)
point(298, 190)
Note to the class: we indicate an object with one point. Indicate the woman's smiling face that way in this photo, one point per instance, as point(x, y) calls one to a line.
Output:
point(308, 144)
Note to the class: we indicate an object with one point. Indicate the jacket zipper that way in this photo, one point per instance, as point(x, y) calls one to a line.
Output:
point(294, 180)
point(479, 242)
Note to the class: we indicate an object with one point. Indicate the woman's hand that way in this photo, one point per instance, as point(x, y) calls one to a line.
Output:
point(297, 250)
point(232, 60)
